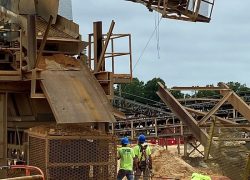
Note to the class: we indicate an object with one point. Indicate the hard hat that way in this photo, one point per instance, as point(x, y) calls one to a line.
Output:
point(124, 141)
point(141, 138)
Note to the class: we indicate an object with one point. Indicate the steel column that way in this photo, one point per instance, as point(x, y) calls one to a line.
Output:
point(3, 132)
point(97, 43)
point(32, 44)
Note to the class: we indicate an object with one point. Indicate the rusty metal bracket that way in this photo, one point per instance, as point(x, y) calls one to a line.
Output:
point(33, 93)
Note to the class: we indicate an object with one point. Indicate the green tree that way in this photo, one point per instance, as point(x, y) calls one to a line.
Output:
point(140, 92)
point(177, 94)
point(235, 86)
point(207, 93)
point(151, 87)
point(133, 89)
point(238, 87)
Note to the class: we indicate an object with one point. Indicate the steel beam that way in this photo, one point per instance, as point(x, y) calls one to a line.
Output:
point(101, 60)
point(3, 131)
point(182, 114)
point(199, 88)
point(239, 104)
point(18, 86)
point(32, 44)
point(215, 108)
point(45, 37)
point(247, 171)
point(211, 134)
point(97, 43)
point(225, 121)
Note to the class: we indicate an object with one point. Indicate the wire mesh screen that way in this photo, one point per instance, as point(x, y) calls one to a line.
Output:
point(37, 152)
point(230, 152)
point(74, 157)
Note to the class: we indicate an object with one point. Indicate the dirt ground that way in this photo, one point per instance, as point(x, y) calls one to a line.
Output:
point(167, 164)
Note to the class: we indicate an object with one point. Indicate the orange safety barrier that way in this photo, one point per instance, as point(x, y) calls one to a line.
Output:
point(166, 141)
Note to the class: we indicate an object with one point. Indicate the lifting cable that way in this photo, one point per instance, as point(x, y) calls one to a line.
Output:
point(157, 35)
point(150, 38)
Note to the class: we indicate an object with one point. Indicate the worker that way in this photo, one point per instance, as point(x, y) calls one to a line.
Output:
point(196, 176)
point(126, 156)
point(143, 160)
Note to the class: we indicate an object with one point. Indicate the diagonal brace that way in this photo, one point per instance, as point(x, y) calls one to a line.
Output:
point(215, 108)
point(182, 114)
point(239, 104)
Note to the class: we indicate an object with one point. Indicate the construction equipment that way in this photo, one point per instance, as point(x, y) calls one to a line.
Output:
point(41, 83)
point(186, 10)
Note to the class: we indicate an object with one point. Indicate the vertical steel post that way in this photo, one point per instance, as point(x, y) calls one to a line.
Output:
point(3, 132)
point(97, 43)
point(32, 44)
point(247, 171)
point(210, 139)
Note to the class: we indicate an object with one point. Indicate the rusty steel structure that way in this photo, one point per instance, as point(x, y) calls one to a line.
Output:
point(42, 83)
point(224, 139)
point(186, 114)
point(186, 10)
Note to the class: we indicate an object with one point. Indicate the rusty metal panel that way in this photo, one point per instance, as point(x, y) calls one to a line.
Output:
point(76, 97)
point(45, 8)
point(27, 7)
point(67, 26)
point(10, 5)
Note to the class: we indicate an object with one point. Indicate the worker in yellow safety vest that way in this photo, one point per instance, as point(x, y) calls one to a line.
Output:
point(143, 160)
point(126, 156)
point(196, 176)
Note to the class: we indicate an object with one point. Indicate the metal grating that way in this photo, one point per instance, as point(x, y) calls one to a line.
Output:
point(37, 155)
point(74, 157)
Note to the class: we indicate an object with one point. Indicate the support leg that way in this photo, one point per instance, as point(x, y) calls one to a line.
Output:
point(3, 132)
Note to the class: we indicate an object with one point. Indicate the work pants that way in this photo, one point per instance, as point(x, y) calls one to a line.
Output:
point(122, 173)
point(146, 174)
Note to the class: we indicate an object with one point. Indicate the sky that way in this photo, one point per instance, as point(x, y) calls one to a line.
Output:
point(190, 54)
